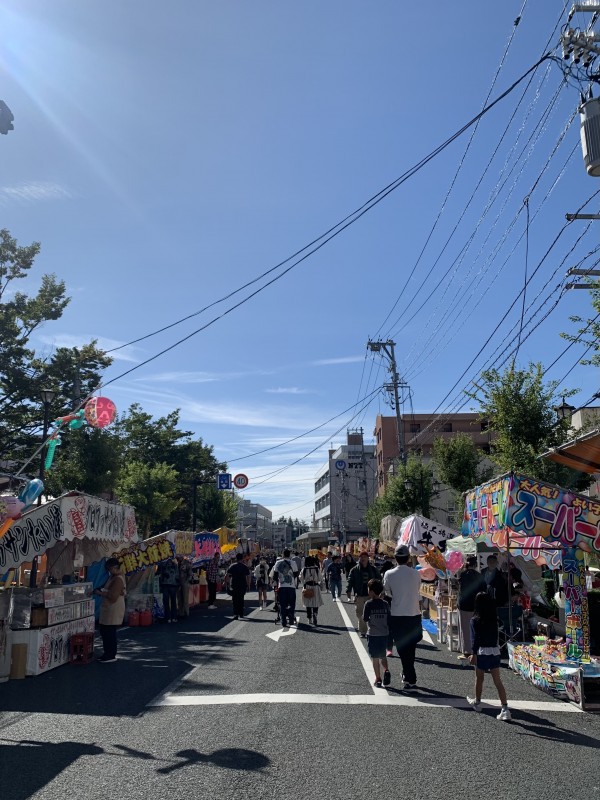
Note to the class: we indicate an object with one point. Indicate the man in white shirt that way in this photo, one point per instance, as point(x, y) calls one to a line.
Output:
point(402, 584)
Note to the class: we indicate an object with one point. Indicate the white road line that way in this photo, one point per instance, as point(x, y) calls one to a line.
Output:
point(381, 698)
point(276, 635)
point(362, 653)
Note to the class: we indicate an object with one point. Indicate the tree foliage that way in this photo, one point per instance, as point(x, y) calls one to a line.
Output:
point(409, 491)
point(520, 409)
point(153, 489)
point(458, 462)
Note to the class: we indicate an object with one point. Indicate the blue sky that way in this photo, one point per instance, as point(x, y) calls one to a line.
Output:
point(166, 153)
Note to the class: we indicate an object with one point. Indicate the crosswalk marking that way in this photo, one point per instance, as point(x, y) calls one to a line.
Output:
point(378, 699)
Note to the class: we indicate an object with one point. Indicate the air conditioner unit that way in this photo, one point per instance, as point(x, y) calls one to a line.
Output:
point(590, 136)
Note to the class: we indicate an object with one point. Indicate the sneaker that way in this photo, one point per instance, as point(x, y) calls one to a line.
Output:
point(363, 635)
point(235, 616)
point(106, 660)
point(212, 608)
point(387, 678)
point(377, 683)
point(408, 687)
point(285, 626)
point(334, 600)
point(474, 703)
point(504, 715)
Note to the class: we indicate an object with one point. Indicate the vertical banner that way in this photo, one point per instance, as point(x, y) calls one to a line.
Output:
point(576, 606)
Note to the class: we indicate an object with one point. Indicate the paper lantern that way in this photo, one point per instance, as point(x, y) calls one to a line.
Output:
point(100, 412)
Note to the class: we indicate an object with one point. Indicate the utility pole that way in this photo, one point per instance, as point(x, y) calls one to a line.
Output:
point(388, 349)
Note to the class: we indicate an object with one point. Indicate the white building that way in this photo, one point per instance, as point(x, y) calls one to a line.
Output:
point(344, 487)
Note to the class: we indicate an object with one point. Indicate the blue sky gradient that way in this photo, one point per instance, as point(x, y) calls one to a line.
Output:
point(166, 153)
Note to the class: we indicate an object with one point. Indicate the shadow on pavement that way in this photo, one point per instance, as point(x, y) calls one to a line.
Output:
point(38, 763)
point(149, 660)
point(540, 728)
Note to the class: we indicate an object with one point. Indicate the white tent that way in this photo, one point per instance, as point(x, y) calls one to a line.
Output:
point(417, 532)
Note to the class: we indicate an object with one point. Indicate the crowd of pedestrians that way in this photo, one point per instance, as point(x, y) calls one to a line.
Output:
point(387, 606)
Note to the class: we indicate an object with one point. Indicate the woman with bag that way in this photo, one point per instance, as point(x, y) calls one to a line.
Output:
point(311, 591)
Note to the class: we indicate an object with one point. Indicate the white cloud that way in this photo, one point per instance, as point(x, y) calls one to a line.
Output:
point(33, 192)
point(71, 340)
point(325, 362)
point(189, 376)
point(289, 390)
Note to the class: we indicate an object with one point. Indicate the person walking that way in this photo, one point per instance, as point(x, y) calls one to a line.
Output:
point(403, 584)
point(388, 564)
point(261, 574)
point(169, 585)
point(297, 562)
point(311, 592)
point(358, 582)
point(212, 578)
point(486, 653)
point(183, 593)
point(348, 564)
point(470, 583)
point(326, 562)
point(112, 609)
point(238, 582)
point(284, 575)
point(376, 614)
point(334, 574)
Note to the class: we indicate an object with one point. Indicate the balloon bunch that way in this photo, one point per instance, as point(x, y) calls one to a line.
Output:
point(434, 558)
point(454, 561)
point(98, 412)
point(11, 508)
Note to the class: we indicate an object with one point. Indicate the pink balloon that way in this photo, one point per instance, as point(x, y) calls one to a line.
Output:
point(10, 508)
point(427, 574)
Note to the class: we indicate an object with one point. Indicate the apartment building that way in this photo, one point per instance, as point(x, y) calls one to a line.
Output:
point(344, 487)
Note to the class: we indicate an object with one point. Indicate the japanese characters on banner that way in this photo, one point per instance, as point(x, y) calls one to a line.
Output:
point(205, 546)
point(145, 554)
point(67, 518)
point(577, 621)
point(418, 533)
point(494, 512)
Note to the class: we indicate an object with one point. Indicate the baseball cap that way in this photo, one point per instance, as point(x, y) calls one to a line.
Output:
point(402, 550)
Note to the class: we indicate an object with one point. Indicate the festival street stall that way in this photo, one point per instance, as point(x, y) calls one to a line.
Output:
point(66, 534)
point(140, 561)
point(553, 526)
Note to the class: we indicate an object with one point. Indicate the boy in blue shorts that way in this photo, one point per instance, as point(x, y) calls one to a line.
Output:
point(377, 616)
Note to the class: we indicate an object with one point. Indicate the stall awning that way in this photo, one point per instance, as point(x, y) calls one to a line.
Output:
point(582, 454)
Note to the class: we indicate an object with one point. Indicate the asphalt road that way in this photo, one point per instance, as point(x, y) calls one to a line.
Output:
point(214, 708)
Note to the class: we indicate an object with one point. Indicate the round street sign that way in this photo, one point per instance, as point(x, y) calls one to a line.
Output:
point(340, 464)
point(240, 481)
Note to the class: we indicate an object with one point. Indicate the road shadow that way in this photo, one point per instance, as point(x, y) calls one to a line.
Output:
point(28, 766)
point(238, 758)
point(149, 660)
point(542, 728)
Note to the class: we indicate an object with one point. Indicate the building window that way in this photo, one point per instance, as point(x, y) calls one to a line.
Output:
point(415, 427)
point(447, 427)
point(485, 425)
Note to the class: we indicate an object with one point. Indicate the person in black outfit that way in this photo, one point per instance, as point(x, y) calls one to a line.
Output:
point(238, 580)
point(471, 583)
point(496, 582)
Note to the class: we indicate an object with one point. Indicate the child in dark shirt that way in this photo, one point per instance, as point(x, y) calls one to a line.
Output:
point(377, 616)
point(486, 652)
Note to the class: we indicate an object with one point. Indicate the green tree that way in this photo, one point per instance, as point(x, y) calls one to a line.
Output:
point(154, 491)
point(23, 372)
point(458, 462)
point(216, 509)
point(519, 408)
point(588, 331)
point(88, 460)
point(376, 511)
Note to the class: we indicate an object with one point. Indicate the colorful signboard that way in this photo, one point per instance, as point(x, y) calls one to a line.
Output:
point(72, 517)
point(577, 622)
point(145, 554)
point(562, 681)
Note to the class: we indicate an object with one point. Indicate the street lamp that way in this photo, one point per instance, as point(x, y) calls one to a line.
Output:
point(564, 410)
point(47, 396)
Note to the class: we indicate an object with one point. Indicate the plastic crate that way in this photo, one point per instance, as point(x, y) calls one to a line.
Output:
point(81, 648)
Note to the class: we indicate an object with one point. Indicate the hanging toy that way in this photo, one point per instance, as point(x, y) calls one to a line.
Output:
point(31, 492)
point(52, 445)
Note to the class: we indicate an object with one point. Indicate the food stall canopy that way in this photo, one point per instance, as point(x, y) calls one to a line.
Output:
point(418, 532)
point(533, 518)
point(582, 453)
point(463, 544)
point(74, 520)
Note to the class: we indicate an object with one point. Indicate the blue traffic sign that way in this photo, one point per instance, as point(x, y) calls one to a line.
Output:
point(224, 480)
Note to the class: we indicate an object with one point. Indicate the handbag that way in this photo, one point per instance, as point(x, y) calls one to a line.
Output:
point(308, 592)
